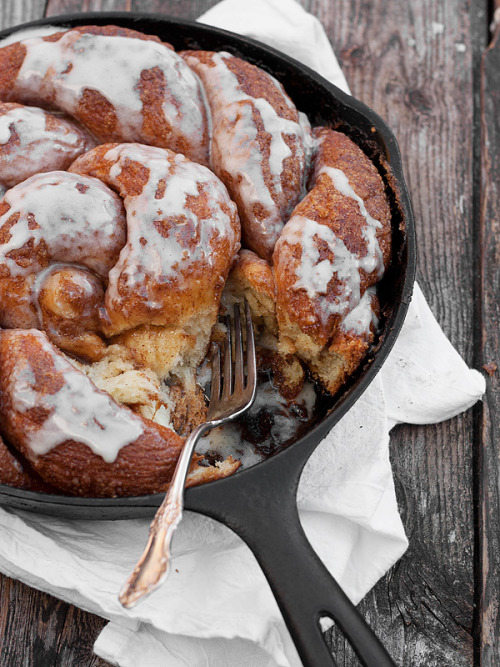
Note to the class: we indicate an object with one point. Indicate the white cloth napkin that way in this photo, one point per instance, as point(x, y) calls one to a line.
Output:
point(216, 608)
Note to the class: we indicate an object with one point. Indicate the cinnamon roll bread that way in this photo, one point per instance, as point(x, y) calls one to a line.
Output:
point(34, 141)
point(120, 84)
point(120, 247)
point(335, 246)
point(260, 143)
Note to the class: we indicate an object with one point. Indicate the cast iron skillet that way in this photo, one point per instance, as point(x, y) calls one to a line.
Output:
point(259, 503)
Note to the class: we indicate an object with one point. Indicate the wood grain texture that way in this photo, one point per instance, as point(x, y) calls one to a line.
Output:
point(416, 64)
point(188, 9)
point(14, 13)
point(37, 630)
point(412, 62)
point(489, 499)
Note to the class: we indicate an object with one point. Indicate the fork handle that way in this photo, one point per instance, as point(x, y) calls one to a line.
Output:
point(153, 566)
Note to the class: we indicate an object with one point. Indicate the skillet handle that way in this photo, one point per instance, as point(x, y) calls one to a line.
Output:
point(303, 587)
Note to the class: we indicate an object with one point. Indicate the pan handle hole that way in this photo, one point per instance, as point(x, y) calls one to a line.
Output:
point(337, 642)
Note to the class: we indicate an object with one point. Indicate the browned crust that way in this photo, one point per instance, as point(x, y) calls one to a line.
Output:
point(14, 472)
point(351, 348)
point(249, 267)
point(96, 113)
point(342, 213)
point(142, 467)
point(11, 61)
point(256, 83)
point(327, 206)
point(197, 287)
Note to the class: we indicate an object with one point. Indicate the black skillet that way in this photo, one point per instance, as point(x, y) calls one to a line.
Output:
point(259, 503)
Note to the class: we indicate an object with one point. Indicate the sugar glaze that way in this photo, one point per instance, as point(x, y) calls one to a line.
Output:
point(60, 71)
point(78, 411)
point(77, 218)
point(314, 275)
point(185, 239)
point(237, 151)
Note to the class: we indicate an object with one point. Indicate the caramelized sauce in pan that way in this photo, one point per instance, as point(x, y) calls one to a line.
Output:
point(272, 423)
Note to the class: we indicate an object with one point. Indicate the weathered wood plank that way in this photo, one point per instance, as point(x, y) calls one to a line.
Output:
point(411, 62)
point(34, 629)
point(56, 7)
point(75, 642)
point(489, 495)
point(408, 62)
point(14, 13)
point(189, 9)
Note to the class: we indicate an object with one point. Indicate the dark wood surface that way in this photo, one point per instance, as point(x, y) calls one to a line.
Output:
point(489, 271)
point(418, 64)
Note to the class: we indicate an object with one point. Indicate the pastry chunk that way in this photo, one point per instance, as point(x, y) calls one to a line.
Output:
point(33, 141)
point(260, 144)
point(118, 83)
point(336, 245)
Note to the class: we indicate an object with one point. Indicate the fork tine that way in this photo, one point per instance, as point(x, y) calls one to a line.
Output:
point(215, 383)
point(228, 369)
point(239, 374)
point(251, 360)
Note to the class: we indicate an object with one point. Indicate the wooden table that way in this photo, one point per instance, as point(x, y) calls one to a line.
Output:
point(420, 65)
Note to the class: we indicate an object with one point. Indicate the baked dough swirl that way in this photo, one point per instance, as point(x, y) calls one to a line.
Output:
point(120, 84)
point(183, 233)
point(33, 141)
point(120, 238)
point(335, 246)
point(73, 434)
point(260, 143)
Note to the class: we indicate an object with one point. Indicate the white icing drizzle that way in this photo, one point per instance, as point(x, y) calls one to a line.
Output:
point(39, 149)
point(162, 257)
point(314, 276)
point(240, 154)
point(229, 440)
point(30, 125)
point(76, 226)
point(111, 66)
point(78, 411)
point(29, 33)
point(373, 261)
point(362, 317)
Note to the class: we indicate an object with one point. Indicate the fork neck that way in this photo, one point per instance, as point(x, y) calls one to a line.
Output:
point(178, 482)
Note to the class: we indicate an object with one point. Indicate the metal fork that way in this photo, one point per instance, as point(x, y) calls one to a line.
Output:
point(236, 397)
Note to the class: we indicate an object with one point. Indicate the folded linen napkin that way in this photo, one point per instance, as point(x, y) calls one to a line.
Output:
point(346, 496)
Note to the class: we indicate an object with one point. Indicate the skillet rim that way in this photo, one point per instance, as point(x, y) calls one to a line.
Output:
point(198, 498)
